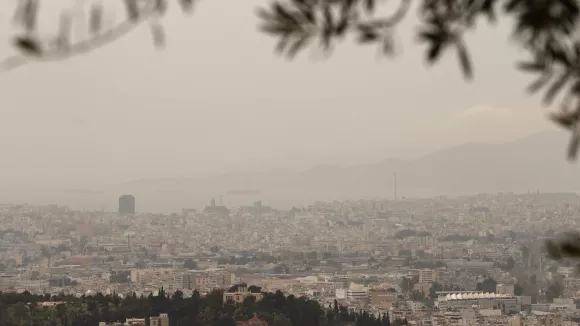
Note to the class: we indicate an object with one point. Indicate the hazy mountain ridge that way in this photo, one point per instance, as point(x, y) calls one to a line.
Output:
point(532, 163)
point(537, 162)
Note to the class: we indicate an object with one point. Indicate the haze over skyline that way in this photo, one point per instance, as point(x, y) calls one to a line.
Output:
point(218, 100)
point(529, 164)
point(213, 182)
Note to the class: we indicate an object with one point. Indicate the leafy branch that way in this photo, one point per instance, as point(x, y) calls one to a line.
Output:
point(546, 29)
point(61, 46)
point(565, 247)
point(298, 22)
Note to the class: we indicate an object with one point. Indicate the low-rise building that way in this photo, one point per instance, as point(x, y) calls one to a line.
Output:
point(240, 295)
point(161, 320)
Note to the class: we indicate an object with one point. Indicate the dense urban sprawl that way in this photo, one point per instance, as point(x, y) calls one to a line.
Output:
point(474, 260)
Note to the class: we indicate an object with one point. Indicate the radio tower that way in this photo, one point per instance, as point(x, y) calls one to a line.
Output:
point(395, 185)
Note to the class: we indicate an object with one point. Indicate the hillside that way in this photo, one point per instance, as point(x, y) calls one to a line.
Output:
point(533, 163)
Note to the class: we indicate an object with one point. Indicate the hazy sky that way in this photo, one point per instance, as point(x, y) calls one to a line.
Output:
point(217, 99)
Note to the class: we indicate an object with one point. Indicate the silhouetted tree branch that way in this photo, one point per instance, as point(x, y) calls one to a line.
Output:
point(33, 46)
point(545, 29)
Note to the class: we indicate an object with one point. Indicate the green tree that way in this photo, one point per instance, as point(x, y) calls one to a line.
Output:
point(177, 295)
point(489, 285)
point(83, 242)
point(21, 311)
point(62, 314)
point(281, 320)
point(386, 319)
point(509, 265)
point(435, 287)
point(518, 289)
point(235, 287)
point(254, 289)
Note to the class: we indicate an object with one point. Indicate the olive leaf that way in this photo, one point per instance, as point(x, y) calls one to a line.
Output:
point(96, 18)
point(28, 45)
point(158, 34)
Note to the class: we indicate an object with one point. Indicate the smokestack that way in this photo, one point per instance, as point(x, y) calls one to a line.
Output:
point(395, 185)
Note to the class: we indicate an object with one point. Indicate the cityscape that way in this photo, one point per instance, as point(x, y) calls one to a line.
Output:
point(249, 163)
point(470, 260)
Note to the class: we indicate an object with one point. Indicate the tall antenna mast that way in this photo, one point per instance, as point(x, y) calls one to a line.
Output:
point(395, 185)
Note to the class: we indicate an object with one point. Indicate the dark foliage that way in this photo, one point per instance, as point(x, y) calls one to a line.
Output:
point(435, 287)
point(489, 285)
point(190, 264)
point(120, 277)
point(407, 284)
point(275, 308)
point(564, 248)
point(405, 234)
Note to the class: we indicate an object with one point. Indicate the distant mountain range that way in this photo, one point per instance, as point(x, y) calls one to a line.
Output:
point(534, 163)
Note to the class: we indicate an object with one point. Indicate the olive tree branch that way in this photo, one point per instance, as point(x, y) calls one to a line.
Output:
point(56, 53)
point(35, 49)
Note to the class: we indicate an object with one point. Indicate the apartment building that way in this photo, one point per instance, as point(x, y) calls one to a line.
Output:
point(427, 276)
point(505, 288)
point(382, 299)
point(184, 280)
point(150, 275)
